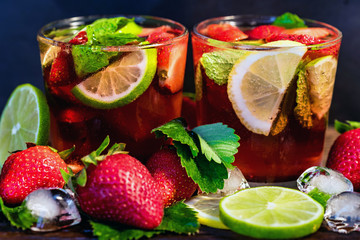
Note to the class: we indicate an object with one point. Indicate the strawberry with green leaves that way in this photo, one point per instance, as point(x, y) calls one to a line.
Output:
point(28, 170)
point(118, 188)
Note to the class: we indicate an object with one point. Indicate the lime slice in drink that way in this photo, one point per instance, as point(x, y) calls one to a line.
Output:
point(25, 118)
point(320, 73)
point(271, 212)
point(258, 82)
point(119, 83)
point(207, 208)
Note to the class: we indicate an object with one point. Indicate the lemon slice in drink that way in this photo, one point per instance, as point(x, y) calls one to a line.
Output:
point(207, 208)
point(258, 81)
point(119, 83)
point(271, 212)
point(320, 73)
point(25, 118)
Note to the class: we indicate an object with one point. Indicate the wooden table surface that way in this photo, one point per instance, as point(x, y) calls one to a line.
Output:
point(82, 232)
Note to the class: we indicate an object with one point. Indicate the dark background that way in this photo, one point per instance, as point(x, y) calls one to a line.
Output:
point(21, 19)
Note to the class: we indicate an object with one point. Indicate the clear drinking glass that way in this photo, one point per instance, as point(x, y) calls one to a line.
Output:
point(77, 75)
point(275, 96)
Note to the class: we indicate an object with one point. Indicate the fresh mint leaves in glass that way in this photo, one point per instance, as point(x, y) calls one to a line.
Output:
point(271, 79)
point(120, 76)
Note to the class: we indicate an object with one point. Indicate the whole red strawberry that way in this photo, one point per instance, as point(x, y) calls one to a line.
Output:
point(28, 170)
point(121, 189)
point(170, 176)
point(344, 156)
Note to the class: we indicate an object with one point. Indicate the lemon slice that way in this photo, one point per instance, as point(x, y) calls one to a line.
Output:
point(271, 213)
point(119, 83)
point(320, 74)
point(207, 208)
point(258, 81)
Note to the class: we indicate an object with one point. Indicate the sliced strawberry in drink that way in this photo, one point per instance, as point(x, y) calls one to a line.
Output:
point(171, 58)
point(316, 32)
point(302, 38)
point(225, 32)
point(76, 114)
point(333, 50)
point(80, 38)
point(62, 71)
point(264, 31)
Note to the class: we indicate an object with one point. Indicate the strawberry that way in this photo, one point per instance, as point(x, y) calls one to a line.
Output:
point(316, 32)
point(333, 50)
point(225, 32)
point(62, 71)
point(302, 38)
point(170, 176)
point(171, 58)
point(80, 38)
point(121, 189)
point(28, 170)
point(344, 156)
point(264, 31)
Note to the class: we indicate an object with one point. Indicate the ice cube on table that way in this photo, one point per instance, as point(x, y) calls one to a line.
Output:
point(323, 183)
point(342, 213)
point(53, 208)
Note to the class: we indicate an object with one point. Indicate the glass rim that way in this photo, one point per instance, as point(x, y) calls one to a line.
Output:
point(238, 45)
point(70, 22)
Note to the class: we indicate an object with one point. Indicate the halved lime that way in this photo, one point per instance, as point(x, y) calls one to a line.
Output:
point(271, 213)
point(119, 83)
point(25, 118)
point(207, 208)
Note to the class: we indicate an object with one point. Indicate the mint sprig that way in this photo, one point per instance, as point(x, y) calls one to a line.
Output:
point(178, 218)
point(205, 152)
point(289, 20)
point(344, 127)
point(19, 217)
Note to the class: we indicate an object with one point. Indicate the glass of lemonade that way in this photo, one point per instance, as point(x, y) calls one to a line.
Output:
point(120, 76)
point(272, 81)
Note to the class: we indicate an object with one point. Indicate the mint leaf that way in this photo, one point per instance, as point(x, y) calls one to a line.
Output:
point(178, 218)
point(344, 127)
point(289, 20)
point(205, 153)
point(218, 64)
point(218, 143)
point(209, 175)
point(175, 129)
point(106, 232)
point(20, 216)
point(90, 57)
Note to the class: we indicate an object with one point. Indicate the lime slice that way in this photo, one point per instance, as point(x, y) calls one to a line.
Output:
point(25, 118)
point(320, 74)
point(271, 212)
point(207, 208)
point(258, 81)
point(119, 83)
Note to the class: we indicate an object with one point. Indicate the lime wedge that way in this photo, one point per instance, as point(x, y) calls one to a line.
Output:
point(207, 208)
point(119, 83)
point(258, 82)
point(25, 118)
point(271, 212)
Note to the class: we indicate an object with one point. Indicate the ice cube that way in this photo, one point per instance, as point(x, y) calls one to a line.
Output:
point(325, 181)
point(342, 213)
point(53, 208)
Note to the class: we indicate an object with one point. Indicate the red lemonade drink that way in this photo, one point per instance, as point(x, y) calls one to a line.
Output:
point(120, 76)
point(271, 79)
